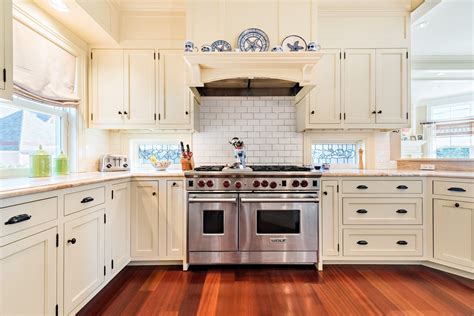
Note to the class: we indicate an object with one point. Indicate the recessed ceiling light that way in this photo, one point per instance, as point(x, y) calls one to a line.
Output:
point(439, 74)
point(422, 24)
point(59, 5)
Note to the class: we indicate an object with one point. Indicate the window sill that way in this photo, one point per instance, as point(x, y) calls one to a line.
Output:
point(13, 173)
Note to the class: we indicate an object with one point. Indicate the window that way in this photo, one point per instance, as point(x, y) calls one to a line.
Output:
point(162, 151)
point(334, 153)
point(24, 126)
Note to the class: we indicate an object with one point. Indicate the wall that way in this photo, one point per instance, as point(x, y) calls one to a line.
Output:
point(267, 125)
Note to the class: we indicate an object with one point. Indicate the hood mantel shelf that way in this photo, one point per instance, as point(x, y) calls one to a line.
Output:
point(293, 67)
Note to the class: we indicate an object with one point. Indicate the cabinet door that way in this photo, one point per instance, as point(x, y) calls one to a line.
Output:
point(453, 238)
point(6, 50)
point(140, 87)
point(28, 275)
point(144, 220)
point(107, 87)
point(173, 93)
point(330, 218)
point(325, 98)
point(83, 257)
point(391, 96)
point(359, 86)
point(172, 220)
point(119, 219)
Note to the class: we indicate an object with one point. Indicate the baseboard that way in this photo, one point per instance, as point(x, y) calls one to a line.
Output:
point(437, 266)
point(156, 263)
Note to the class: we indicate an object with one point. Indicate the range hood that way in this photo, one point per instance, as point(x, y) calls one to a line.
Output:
point(252, 74)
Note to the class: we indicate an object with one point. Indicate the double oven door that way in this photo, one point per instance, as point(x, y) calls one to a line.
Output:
point(253, 222)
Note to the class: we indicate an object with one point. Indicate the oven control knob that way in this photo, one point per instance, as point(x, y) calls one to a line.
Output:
point(264, 183)
point(304, 183)
point(273, 184)
point(238, 184)
point(256, 184)
point(201, 183)
point(226, 183)
point(295, 183)
point(210, 183)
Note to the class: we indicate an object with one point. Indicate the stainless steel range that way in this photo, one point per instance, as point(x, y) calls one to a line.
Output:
point(266, 215)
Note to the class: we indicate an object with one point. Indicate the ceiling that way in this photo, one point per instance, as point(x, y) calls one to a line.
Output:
point(450, 29)
point(150, 5)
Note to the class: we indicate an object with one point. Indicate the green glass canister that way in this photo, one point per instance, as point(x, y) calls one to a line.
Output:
point(61, 164)
point(40, 163)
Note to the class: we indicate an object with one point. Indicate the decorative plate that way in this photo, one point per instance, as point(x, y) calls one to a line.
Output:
point(293, 43)
point(253, 40)
point(221, 46)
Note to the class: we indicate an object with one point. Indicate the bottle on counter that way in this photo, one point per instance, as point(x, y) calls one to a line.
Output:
point(361, 159)
point(40, 163)
point(61, 164)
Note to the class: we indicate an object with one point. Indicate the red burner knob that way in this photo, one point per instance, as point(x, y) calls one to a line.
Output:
point(201, 183)
point(226, 183)
point(304, 183)
point(264, 183)
point(273, 185)
point(210, 183)
point(256, 184)
point(295, 183)
point(238, 185)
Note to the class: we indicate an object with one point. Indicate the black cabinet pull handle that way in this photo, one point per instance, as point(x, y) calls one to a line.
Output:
point(71, 241)
point(456, 204)
point(456, 189)
point(402, 211)
point(325, 192)
point(362, 187)
point(402, 187)
point(362, 242)
point(17, 219)
point(402, 242)
point(87, 199)
point(361, 211)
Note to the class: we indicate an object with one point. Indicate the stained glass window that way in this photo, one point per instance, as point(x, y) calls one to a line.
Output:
point(160, 151)
point(334, 154)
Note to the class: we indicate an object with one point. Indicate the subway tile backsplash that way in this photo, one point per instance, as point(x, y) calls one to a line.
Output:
point(266, 124)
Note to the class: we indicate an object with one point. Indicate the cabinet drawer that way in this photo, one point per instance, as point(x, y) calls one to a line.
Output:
point(383, 243)
point(78, 201)
point(382, 186)
point(382, 211)
point(22, 216)
point(465, 189)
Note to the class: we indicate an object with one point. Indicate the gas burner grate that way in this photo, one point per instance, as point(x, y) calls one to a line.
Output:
point(279, 168)
point(209, 168)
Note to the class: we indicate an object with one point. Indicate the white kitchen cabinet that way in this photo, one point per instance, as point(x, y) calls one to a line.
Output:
point(174, 105)
point(453, 240)
point(123, 88)
point(118, 220)
point(84, 248)
point(359, 86)
point(144, 220)
point(28, 269)
point(391, 96)
point(330, 217)
point(6, 50)
point(172, 209)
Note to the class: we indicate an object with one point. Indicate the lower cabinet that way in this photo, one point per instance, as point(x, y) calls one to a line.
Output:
point(119, 218)
point(28, 270)
point(453, 222)
point(84, 248)
point(330, 218)
point(157, 220)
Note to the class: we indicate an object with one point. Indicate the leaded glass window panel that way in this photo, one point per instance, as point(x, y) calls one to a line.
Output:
point(334, 154)
point(160, 151)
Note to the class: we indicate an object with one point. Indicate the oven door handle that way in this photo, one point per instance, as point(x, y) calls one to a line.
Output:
point(211, 200)
point(279, 200)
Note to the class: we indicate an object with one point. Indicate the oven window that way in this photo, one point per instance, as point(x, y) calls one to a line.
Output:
point(278, 222)
point(213, 222)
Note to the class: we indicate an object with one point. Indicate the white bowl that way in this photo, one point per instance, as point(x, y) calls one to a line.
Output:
point(161, 165)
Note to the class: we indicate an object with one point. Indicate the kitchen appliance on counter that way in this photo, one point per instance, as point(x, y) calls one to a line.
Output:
point(266, 216)
point(113, 163)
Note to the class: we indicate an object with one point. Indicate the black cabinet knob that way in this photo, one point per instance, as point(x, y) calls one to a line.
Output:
point(120, 112)
point(187, 113)
point(174, 184)
point(379, 112)
point(72, 241)
point(312, 112)
point(373, 112)
point(325, 192)
point(154, 193)
point(125, 112)
point(456, 204)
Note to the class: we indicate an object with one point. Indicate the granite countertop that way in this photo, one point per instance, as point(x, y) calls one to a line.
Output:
point(23, 186)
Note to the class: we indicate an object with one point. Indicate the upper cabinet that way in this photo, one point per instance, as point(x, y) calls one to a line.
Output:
point(6, 60)
point(134, 89)
point(358, 88)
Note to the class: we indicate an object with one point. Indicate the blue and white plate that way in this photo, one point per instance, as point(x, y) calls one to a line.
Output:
point(294, 43)
point(253, 40)
point(221, 46)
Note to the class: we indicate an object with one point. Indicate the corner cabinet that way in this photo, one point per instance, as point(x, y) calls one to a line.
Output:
point(136, 89)
point(6, 50)
point(365, 88)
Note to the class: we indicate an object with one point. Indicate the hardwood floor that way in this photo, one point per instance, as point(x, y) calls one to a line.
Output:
point(284, 290)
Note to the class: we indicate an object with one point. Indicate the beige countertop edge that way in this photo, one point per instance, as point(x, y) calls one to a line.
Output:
point(23, 186)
